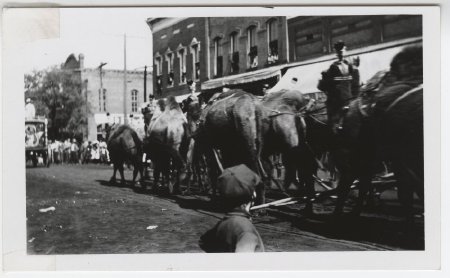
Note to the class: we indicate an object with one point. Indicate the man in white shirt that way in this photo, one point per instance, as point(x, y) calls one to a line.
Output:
point(30, 111)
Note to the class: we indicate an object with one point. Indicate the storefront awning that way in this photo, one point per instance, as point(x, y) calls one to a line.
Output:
point(242, 78)
point(372, 60)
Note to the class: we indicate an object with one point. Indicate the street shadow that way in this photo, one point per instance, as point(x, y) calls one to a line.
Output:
point(202, 203)
point(195, 201)
point(364, 228)
point(128, 184)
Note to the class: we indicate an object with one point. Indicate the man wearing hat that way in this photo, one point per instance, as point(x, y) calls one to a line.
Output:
point(338, 83)
point(340, 70)
point(235, 232)
point(30, 111)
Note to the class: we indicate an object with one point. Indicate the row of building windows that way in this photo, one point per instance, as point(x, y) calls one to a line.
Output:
point(102, 100)
point(251, 47)
point(181, 54)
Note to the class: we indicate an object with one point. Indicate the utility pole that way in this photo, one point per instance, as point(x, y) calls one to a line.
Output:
point(100, 96)
point(125, 119)
point(145, 84)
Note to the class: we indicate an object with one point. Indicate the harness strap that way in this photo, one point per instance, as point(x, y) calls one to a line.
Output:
point(400, 98)
point(361, 108)
point(317, 120)
point(278, 113)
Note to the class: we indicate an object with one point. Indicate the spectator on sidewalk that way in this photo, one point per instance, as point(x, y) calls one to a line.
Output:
point(74, 152)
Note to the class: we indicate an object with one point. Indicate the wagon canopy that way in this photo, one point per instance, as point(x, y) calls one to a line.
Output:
point(372, 60)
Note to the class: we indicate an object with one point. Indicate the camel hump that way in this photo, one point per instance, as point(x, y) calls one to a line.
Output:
point(172, 104)
point(121, 131)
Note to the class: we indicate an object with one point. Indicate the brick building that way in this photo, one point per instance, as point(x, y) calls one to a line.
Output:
point(178, 54)
point(245, 52)
point(214, 51)
point(248, 52)
point(314, 36)
point(373, 40)
point(111, 98)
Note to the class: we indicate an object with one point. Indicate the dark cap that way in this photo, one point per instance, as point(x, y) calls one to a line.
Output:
point(339, 45)
point(237, 184)
point(190, 82)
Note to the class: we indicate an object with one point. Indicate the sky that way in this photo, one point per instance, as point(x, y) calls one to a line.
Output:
point(98, 33)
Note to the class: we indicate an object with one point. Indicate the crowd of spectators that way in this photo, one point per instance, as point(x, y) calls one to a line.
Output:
point(70, 151)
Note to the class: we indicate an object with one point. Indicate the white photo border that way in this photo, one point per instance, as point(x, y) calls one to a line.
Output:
point(14, 231)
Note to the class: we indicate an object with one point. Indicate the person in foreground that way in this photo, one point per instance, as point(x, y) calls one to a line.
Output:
point(235, 232)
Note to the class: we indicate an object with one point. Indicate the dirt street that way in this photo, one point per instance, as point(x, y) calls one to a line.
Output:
point(92, 217)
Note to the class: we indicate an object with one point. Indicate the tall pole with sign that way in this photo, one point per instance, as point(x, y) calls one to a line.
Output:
point(125, 79)
point(145, 84)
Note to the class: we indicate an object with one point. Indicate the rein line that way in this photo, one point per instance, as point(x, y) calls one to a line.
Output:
point(403, 96)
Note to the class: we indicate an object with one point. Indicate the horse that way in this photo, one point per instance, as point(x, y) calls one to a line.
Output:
point(166, 143)
point(124, 145)
point(385, 124)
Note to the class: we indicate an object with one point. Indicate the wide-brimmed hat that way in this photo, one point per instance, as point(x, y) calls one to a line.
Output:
point(237, 184)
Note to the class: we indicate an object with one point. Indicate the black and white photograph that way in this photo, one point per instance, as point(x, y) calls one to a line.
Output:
point(195, 132)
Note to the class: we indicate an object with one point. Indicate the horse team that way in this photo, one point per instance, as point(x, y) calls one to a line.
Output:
point(383, 123)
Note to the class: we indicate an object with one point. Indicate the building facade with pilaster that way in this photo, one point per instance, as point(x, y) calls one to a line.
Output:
point(104, 92)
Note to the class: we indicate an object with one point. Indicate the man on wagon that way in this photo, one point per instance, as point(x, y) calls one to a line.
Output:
point(235, 232)
point(341, 74)
point(341, 79)
point(30, 110)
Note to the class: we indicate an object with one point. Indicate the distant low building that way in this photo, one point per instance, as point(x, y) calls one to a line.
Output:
point(103, 89)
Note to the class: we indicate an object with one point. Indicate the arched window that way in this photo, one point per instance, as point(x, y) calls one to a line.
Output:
point(182, 59)
point(158, 64)
point(252, 48)
point(169, 60)
point(234, 53)
point(134, 100)
point(158, 72)
point(218, 57)
point(233, 42)
point(195, 51)
point(272, 41)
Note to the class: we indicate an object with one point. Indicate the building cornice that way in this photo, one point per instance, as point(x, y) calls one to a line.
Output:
point(157, 24)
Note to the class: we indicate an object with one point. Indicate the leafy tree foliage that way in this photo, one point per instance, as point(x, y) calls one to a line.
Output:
point(57, 94)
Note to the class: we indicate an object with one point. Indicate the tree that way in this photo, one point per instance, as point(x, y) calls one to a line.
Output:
point(57, 94)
